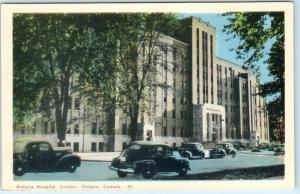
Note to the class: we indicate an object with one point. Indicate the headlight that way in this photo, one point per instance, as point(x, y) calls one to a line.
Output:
point(122, 159)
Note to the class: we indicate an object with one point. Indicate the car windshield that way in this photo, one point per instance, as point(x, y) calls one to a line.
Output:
point(176, 154)
point(220, 146)
point(130, 150)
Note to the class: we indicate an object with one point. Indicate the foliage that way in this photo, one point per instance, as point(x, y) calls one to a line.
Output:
point(49, 51)
point(254, 30)
point(130, 67)
point(94, 55)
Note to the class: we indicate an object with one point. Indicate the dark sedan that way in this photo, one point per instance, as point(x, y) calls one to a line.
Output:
point(37, 155)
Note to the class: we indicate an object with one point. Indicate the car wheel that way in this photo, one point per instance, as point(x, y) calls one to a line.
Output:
point(72, 168)
point(19, 169)
point(182, 172)
point(121, 174)
point(148, 173)
point(222, 155)
point(233, 154)
point(202, 155)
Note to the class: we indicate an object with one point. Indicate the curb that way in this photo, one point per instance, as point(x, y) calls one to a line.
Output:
point(256, 153)
point(251, 173)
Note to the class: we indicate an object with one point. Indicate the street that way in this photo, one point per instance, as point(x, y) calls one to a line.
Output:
point(97, 171)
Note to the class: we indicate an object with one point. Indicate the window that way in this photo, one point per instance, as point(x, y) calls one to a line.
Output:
point(101, 146)
point(93, 147)
point(174, 114)
point(68, 144)
point(124, 144)
point(34, 128)
point(174, 132)
point(76, 129)
point(174, 100)
point(76, 146)
point(52, 127)
point(165, 114)
point(174, 55)
point(124, 129)
point(165, 131)
point(45, 127)
point(181, 114)
point(94, 127)
point(181, 132)
point(77, 104)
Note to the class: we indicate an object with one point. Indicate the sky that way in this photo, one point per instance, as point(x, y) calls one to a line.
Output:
point(224, 45)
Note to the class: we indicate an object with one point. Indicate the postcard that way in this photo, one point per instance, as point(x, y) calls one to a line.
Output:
point(128, 96)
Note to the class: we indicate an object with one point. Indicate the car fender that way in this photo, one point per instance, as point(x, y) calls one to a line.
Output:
point(189, 153)
point(139, 164)
point(184, 163)
point(68, 157)
point(222, 150)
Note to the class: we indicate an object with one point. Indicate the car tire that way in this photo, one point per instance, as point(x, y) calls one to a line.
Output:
point(19, 169)
point(182, 172)
point(72, 167)
point(121, 174)
point(202, 155)
point(233, 154)
point(222, 155)
point(148, 173)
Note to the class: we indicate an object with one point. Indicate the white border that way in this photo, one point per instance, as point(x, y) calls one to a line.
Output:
point(6, 94)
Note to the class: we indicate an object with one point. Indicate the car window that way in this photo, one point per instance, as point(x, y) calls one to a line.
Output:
point(133, 149)
point(163, 150)
point(33, 149)
point(176, 154)
point(44, 147)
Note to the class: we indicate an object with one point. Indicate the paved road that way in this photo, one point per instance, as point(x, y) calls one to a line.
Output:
point(97, 171)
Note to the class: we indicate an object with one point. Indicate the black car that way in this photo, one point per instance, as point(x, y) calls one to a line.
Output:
point(192, 150)
point(37, 155)
point(148, 158)
point(222, 149)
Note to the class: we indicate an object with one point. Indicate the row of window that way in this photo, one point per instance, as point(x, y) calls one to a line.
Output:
point(181, 133)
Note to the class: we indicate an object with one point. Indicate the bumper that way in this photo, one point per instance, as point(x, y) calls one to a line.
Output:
point(126, 170)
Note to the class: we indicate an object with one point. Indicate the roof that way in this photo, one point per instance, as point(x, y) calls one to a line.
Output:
point(21, 143)
point(30, 139)
point(230, 62)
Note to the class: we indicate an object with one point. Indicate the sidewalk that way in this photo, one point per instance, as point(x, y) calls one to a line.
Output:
point(107, 156)
point(262, 152)
point(98, 156)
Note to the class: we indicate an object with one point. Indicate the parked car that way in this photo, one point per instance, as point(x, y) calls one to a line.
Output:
point(222, 149)
point(263, 146)
point(37, 155)
point(148, 158)
point(279, 151)
point(239, 145)
point(192, 150)
point(273, 147)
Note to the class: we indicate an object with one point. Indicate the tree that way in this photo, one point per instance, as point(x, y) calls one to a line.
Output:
point(254, 31)
point(131, 67)
point(49, 50)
